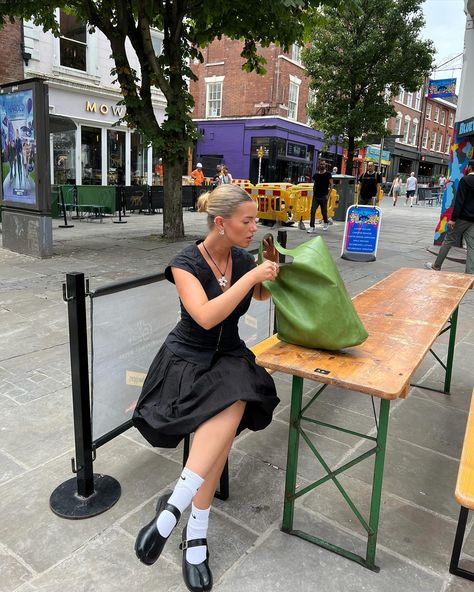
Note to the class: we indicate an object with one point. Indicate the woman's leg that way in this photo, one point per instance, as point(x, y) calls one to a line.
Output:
point(205, 495)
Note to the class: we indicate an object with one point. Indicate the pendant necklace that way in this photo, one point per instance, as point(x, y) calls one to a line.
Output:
point(222, 281)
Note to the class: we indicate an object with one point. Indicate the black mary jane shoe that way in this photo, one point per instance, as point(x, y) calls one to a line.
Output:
point(198, 578)
point(150, 543)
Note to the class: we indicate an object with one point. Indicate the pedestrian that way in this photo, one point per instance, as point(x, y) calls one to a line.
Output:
point(204, 379)
point(334, 170)
point(396, 189)
point(442, 184)
point(198, 175)
point(217, 176)
point(369, 184)
point(461, 223)
point(225, 177)
point(321, 189)
point(412, 183)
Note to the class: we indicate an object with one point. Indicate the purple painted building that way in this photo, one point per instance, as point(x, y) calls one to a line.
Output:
point(290, 149)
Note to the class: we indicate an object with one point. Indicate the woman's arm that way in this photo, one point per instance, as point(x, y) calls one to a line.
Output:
point(209, 313)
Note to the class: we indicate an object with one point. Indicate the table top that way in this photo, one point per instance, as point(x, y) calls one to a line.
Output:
point(403, 314)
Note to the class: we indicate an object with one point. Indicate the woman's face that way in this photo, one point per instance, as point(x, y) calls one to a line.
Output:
point(242, 225)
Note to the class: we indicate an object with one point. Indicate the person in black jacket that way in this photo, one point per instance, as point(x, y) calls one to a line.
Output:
point(461, 223)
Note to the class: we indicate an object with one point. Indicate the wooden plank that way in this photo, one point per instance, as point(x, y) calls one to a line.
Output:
point(403, 313)
point(465, 483)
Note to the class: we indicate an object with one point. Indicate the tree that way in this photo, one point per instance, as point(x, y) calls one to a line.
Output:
point(188, 25)
point(362, 53)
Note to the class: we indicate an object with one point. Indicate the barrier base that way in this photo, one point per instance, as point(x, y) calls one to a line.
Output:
point(66, 503)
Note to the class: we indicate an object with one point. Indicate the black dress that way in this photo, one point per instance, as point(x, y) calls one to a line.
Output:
point(197, 372)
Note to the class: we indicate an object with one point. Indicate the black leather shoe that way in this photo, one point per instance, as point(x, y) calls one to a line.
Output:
point(198, 578)
point(150, 543)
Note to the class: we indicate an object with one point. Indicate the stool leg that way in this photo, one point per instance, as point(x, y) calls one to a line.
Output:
point(458, 540)
point(292, 458)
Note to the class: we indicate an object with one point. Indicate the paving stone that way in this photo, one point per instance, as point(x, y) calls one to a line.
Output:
point(13, 573)
point(8, 468)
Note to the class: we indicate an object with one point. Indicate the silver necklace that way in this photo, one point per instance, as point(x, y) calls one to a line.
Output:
point(222, 281)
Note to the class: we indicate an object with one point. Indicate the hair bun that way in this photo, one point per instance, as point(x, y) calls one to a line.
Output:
point(202, 201)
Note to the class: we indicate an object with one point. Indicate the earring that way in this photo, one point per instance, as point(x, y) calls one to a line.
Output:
point(221, 232)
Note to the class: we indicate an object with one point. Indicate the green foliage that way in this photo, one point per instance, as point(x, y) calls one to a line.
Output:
point(362, 52)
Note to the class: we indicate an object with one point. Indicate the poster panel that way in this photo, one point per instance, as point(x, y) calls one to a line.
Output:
point(361, 233)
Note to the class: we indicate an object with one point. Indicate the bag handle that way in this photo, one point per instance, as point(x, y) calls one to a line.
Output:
point(278, 247)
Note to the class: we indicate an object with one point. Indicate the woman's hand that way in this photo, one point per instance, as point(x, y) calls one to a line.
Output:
point(269, 251)
point(268, 270)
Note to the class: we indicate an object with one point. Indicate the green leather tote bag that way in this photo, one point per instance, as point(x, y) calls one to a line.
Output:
point(313, 308)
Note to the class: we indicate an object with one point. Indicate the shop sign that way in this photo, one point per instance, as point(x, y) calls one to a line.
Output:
point(466, 127)
point(373, 153)
point(361, 233)
point(296, 150)
point(93, 107)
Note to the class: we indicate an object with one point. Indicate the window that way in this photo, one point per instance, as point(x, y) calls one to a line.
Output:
point(433, 141)
point(440, 143)
point(293, 94)
point(157, 42)
point(296, 53)
point(451, 119)
point(413, 132)
point(214, 96)
point(72, 42)
point(64, 153)
point(91, 155)
point(398, 124)
point(409, 99)
point(428, 111)
point(426, 133)
point(418, 100)
point(401, 95)
point(138, 158)
point(115, 157)
point(447, 146)
point(443, 117)
point(406, 129)
point(436, 115)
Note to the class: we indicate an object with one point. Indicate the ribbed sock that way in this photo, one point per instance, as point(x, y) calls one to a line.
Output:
point(197, 529)
point(183, 493)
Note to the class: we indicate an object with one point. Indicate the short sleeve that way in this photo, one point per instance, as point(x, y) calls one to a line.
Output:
point(183, 260)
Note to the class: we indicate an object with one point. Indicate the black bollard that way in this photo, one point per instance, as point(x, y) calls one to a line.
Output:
point(63, 205)
point(121, 206)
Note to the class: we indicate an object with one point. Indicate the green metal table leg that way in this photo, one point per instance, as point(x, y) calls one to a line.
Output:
point(452, 342)
point(292, 458)
point(377, 483)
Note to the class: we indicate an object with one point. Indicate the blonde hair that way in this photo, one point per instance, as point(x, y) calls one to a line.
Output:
point(222, 201)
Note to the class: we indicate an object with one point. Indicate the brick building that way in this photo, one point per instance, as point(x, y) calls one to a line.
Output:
point(238, 112)
point(11, 59)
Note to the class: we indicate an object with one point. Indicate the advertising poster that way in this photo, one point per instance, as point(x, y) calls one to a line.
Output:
point(361, 233)
point(439, 89)
point(18, 151)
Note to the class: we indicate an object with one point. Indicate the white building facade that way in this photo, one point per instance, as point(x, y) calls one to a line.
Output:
point(77, 67)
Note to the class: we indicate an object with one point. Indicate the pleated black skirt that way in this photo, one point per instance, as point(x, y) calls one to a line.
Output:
point(178, 395)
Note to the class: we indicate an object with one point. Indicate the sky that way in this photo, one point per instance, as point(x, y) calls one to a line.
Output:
point(445, 25)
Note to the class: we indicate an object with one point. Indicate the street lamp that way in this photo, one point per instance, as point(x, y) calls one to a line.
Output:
point(260, 154)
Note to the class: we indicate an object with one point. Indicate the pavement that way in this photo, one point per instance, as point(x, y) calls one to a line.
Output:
point(42, 552)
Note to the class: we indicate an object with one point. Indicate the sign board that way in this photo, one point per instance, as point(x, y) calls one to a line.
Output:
point(296, 150)
point(373, 153)
point(466, 128)
point(361, 233)
point(440, 89)
point(25, 177)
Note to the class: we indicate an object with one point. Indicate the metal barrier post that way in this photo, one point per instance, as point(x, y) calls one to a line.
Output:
point(63, 205)
point(87, 494)
point(120, 206)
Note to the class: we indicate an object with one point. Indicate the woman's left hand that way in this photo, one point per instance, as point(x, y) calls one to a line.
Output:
point(269, 251)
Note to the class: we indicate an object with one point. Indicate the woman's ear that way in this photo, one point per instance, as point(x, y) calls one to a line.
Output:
point(219, 223)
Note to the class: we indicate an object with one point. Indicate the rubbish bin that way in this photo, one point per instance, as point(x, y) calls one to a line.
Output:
point(345, 187)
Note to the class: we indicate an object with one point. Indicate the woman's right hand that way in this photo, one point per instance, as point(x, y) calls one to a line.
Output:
point(268, 270)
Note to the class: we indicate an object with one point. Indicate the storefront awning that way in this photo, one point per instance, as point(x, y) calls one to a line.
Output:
point(58, 123)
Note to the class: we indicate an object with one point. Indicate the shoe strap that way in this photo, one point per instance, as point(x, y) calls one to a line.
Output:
point(174, 510)
point(192, 543)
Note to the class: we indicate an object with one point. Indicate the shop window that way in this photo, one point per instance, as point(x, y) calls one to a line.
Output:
point(293, 94)
point(64, 158)
point(157, 164)
point(72, 42)
point(214, 96)
point(433, 141)
point(428, 111)
point(91, 155)
point(448, 144)
point(115, 157)
point(137, 160)
point(440, 143)
point(426, 134)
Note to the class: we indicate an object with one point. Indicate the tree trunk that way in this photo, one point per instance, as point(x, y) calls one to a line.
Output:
point(173, 226)
point(350, 154)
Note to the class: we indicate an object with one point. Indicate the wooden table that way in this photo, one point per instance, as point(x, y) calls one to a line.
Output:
point(404, 314)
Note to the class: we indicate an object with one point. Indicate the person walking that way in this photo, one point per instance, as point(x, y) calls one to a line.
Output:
point(396, 189)
point(442, 184)
point(204, 379)
point(225, 177)
point(461, 223)
point(412, 184)
point(217, 176)
point(321, 189)
point(198, 177)
point(369, 184)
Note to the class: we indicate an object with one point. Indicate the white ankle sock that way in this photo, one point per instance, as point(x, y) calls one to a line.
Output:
point(197, 529)
point(184, 491)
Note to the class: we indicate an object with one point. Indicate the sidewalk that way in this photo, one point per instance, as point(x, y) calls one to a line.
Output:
point(41, 552)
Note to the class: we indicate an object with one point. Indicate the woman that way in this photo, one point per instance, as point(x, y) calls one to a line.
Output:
point(203, 379)
point(396, 189)
point(225, 177)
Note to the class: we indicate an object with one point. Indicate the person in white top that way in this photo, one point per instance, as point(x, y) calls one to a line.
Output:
point(412, 183)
